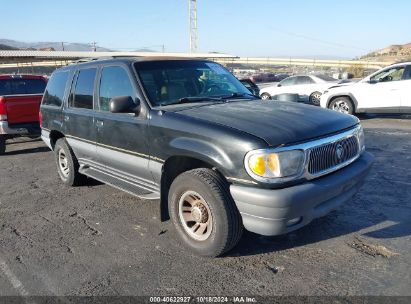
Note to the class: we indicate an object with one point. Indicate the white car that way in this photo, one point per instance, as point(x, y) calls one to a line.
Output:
point(308, 87)
point(386, 91)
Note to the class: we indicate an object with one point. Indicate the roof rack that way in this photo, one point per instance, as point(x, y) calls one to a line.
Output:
point(83, 60)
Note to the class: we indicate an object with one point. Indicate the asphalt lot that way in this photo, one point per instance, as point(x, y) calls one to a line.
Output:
point(96, 240)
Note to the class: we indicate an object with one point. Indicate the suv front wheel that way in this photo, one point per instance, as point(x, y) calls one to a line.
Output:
point(343, 105)
point(204, 213)
point(67, 164)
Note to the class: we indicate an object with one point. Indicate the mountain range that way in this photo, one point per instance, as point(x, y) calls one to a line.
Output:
point(8, 44)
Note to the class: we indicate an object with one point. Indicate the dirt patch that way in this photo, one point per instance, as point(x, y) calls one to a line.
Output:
point(365, 246)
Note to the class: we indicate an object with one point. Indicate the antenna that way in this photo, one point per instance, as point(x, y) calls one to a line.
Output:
point(192, 11)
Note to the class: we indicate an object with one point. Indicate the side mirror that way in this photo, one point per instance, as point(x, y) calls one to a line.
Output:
point(124, 104)
point(279, 85)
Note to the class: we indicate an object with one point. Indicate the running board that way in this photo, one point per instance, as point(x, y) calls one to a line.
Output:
point(119, 183)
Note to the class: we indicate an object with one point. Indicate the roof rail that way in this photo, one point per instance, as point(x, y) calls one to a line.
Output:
point(83, 60)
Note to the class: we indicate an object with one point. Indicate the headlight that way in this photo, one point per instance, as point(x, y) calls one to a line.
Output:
point(267, 164)
point(361, 139)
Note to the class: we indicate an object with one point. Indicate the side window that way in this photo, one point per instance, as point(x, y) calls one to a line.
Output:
point(391, 74)
point(114, 82)
point(288, 81)
point(303, 80)
point(82, 96)
point(56, 86)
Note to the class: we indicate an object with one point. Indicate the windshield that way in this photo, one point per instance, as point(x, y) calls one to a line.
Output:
point(169, 82)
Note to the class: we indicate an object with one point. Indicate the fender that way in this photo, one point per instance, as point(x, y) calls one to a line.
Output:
point(342, 94)
point(202, 150)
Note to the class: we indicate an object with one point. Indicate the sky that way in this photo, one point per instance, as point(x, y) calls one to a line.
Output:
point(272, 28)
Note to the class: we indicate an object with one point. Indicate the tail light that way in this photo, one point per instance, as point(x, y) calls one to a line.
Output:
point(3, 109)
point(40, 119)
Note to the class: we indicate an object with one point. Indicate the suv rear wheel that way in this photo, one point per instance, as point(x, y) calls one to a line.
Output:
point(315, 98)
point(67, 164)
point(204, 213)
point(2, 144)
point(343, 105)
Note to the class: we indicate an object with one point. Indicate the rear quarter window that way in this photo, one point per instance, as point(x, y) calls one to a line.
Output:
point(56, 86)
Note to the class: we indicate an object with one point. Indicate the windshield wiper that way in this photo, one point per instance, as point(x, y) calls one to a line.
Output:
point(236, 95)
point(190, 99)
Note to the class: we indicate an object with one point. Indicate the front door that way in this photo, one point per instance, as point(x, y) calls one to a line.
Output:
point(406, 91)
point(122, 143)
point(382, 94)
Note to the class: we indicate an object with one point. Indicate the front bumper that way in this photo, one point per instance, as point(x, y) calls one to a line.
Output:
point(279, 211)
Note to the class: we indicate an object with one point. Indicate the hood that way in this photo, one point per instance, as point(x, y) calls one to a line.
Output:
point(342, 84)
point(277, 123)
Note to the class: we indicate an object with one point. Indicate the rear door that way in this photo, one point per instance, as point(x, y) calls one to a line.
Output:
point(78, 117)
point(304, 87)
point(122, 143)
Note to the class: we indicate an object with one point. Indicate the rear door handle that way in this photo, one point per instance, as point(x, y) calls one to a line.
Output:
point(99, 123)
point(66, 118)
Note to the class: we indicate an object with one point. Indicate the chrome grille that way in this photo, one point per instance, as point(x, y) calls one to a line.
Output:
point(328, 156)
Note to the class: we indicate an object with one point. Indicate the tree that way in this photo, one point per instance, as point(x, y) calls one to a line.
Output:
point(356, 70)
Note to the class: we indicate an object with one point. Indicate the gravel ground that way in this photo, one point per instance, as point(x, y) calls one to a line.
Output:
point(96, 240)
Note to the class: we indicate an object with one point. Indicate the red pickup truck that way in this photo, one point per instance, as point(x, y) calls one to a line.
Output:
point(20, 97)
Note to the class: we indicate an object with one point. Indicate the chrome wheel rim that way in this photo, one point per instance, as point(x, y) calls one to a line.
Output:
point(63, 163)
point(341, 106)
point(315, 98)
point(265, 97)
point(195, 216)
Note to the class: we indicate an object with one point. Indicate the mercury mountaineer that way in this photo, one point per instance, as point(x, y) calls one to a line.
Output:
point(186, 132)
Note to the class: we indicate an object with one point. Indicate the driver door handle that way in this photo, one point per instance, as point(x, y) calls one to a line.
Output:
point(99, 123)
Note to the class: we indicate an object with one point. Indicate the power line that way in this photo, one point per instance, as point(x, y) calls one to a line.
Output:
point(331, 43)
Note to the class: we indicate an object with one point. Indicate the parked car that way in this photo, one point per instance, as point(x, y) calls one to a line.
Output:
point(268, 77)
point(20, 97)
point(216, 157)
point(385, 91)
point(308, 87)
point(251, 86)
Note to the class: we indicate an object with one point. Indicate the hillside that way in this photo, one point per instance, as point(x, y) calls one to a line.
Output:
point(395, 52)
point(7, 44)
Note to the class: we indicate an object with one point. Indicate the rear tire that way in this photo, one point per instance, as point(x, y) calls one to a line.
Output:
point(265, 96)
point(204, 213)
point(342, 105)
point(315, 98)
point(67, 164)
point(2, 145)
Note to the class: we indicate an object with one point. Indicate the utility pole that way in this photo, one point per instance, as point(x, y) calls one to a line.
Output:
point(94, 45)
point(192, 13)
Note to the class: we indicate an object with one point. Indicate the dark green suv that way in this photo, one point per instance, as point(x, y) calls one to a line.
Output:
point(188, 133)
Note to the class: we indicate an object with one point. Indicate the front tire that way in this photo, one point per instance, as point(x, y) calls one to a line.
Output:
point(2, 145)
point(342, 105)
point(265, 96)
point(67, 164)
point(204, 213)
